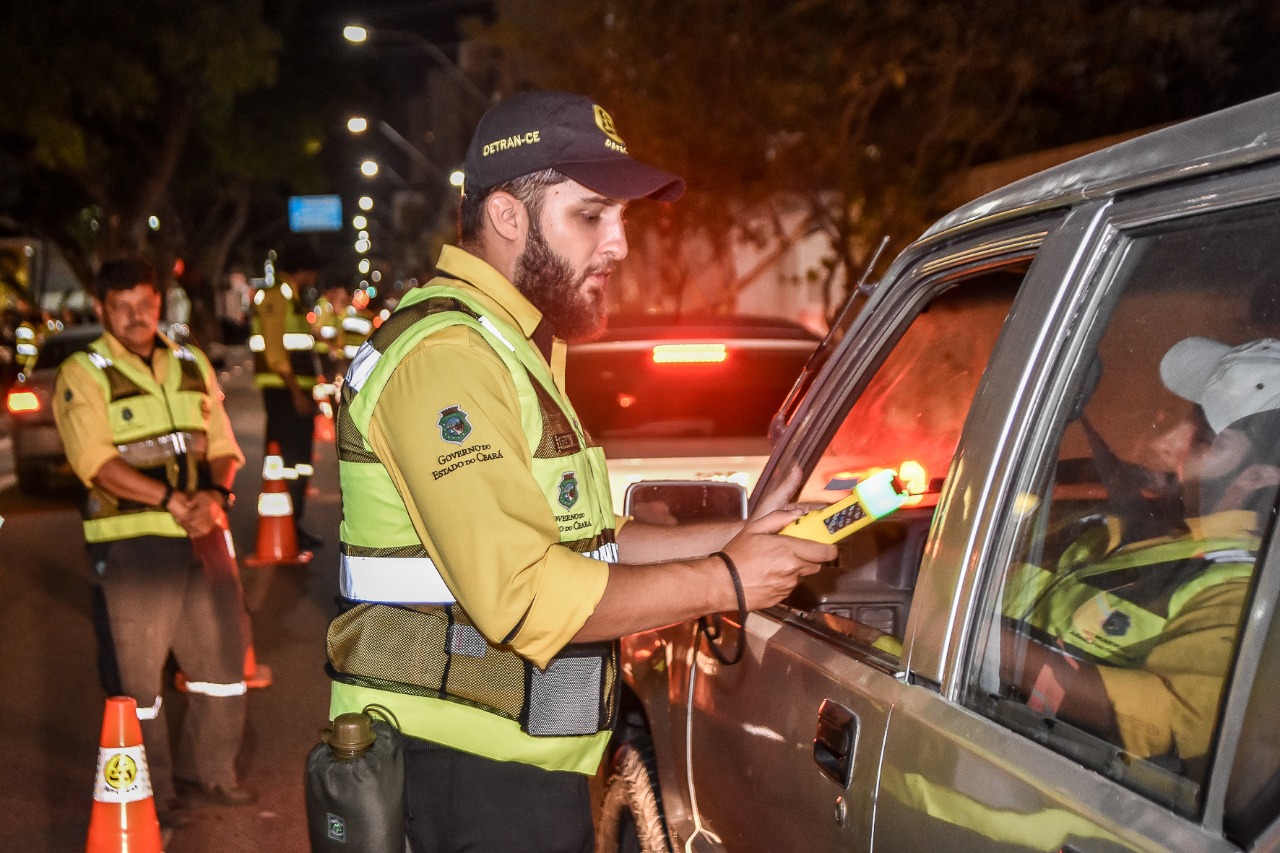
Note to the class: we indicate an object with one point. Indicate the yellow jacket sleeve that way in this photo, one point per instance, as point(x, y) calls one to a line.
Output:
point(486, 525)
point(80, 410)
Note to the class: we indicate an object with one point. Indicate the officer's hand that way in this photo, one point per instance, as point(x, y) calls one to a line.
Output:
point(303, 403)
point(771, 565)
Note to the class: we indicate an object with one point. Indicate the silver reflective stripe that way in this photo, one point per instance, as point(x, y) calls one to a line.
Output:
point(607, 553)
point(99, 360)
point(298, 341)
point(154, 451)
point(357, 324)
point(393, 580)
point(152, 712)
point(212, 688)
point(488, 324)
point(362, 365)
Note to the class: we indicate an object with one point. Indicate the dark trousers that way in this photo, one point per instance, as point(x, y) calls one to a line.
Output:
point(456, 802)
point(295, 433)
point(161, 600)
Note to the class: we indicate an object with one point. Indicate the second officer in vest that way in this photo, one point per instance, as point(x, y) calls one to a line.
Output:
point(144, 427)
point(482, 565)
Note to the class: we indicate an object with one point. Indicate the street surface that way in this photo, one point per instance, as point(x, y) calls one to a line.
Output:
point(53, 702)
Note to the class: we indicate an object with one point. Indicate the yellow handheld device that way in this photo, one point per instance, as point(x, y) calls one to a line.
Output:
point(875, 497)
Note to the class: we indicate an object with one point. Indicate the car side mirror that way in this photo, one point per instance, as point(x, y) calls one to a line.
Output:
point(671, 502)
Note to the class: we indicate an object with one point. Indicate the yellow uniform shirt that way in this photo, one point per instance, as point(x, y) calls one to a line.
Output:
point(1173, 698)
point(532, 592)
point(82, 413)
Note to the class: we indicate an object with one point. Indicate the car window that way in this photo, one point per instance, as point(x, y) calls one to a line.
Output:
point(679, 390)
point(1112, 629)
point(907, 419)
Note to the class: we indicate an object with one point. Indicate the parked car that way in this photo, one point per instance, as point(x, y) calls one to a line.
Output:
point(686, 397)
point(39, 461)
point(1008, 367)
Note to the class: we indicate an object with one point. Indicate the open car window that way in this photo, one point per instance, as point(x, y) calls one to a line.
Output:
point(1111, 633)
point(907, 419)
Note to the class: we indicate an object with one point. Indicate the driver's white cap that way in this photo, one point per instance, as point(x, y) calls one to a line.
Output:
point(1228, 382)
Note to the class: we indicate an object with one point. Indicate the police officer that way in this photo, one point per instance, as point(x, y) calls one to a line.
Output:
point(484, 575)
point(286, 370)
point(1133, 641)
point(145, 429)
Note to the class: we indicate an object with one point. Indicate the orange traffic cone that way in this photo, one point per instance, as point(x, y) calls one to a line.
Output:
point(277, 537)
point(124, 812)
point(324, 429)
point(255, 674)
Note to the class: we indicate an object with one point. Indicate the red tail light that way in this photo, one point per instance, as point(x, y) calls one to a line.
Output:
point(690, 353)
point(23, 402)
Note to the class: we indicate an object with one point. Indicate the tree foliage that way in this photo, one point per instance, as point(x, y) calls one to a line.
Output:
point(865, 111)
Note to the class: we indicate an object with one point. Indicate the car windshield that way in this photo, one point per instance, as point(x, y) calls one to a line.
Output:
point(687, 388)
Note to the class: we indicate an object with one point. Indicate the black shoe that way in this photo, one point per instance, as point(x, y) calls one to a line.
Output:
point(308, 539)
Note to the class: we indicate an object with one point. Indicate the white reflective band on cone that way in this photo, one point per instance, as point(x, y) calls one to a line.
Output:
point(122, 775)
point(302, 469)
point(393, 580)
point(152, 712)
point(273, 468)
point(212, 688)
point(274, 505)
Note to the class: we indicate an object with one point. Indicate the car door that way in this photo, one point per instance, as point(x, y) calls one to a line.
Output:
point(1078, 471)
point(785, 746)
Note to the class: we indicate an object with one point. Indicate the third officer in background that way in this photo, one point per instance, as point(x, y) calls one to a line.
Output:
point(285, 368)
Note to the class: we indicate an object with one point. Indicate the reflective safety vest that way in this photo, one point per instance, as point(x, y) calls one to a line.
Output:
point(357, 326)
point(1113, 611)
point(161, 431)
point(404, 631)
point(298, 340)
point(328, 329)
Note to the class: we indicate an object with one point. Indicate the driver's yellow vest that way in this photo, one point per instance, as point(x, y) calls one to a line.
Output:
point(159, 430)
point(1113, 610)
point(403, 631)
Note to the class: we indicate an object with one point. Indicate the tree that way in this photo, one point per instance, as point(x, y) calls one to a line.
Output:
point(862, 111)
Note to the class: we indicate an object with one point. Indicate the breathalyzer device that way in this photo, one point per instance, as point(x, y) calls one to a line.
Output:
point(872, 498)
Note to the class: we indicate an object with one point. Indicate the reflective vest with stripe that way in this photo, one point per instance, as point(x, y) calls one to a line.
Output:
point(404, 631)
point(1113, 611)
point(161, 431)
point(299, 342)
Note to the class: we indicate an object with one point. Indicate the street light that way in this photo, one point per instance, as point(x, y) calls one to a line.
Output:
point(365, 202)
point(369, 168)
point(357, 34)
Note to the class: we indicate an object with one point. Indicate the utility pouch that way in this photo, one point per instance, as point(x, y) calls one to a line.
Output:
point(575, 695)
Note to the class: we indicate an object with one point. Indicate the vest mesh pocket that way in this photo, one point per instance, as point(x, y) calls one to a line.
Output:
point(567, 698)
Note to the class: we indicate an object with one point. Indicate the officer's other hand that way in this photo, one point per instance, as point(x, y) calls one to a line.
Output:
point(303, 403)
point(769, 564)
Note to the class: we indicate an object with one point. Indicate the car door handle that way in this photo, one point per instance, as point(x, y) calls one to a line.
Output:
point(834, 743)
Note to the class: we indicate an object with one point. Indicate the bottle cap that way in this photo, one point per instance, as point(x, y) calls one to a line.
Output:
point(350, 734)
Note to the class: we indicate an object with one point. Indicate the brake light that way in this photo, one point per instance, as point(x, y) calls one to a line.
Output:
point(690, 353)
point(23, 402)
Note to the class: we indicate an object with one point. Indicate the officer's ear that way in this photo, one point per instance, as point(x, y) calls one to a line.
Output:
point(506, 215)
point(97, 309)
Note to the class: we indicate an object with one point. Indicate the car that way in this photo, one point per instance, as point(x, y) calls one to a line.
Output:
point(1007, 368)
point(39, 461)
point(685, 396)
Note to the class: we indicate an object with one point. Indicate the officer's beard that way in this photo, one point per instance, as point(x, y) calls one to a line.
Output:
point(547, 279)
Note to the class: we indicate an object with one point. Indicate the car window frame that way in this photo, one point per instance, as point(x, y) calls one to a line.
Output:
point(1113, 222)
point(914, 282)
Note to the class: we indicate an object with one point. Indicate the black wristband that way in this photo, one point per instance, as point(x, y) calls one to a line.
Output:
point(168, 493)
point(228, 498)
point(737, 584)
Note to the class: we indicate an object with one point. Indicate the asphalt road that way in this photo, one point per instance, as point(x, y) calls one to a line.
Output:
point(52, 710)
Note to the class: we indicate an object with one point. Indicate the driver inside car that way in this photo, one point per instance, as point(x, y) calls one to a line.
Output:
point(1133, 641)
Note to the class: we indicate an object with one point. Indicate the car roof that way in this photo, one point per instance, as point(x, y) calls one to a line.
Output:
point(1237, 136)
point(637, 327)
